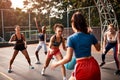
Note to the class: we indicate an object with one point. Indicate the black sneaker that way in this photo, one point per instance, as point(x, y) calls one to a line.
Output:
point(117, 72)
point(38, 62)
point(102, 64)
point(9, 71)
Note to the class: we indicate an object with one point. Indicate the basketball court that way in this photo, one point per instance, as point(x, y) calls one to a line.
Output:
point(21, 69)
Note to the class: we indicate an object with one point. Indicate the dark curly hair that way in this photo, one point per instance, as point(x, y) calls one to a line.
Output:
point(79, 22)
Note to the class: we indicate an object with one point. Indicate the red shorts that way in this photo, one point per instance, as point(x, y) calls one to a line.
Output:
point(56, 51)
point(87, 69)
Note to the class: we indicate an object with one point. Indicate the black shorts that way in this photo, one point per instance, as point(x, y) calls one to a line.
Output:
point(19, 47)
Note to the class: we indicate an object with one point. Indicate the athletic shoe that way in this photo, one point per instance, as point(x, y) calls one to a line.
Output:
point(31, 67)
point(64, 78)
point(38, 62)
point(9, 70)
point(43, 71)
point(52, 58)
point(102, 64)
point(117, 72)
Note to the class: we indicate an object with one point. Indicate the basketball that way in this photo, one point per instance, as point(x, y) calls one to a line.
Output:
point(70, 65)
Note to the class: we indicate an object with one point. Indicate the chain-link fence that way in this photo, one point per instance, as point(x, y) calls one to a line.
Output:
point(8, 19)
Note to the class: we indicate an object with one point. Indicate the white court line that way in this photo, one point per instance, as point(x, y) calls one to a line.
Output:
point(6, 76)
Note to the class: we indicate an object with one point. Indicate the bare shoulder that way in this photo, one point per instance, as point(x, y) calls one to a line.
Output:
point(22, 34)
point(52, 37)
point(13, 35)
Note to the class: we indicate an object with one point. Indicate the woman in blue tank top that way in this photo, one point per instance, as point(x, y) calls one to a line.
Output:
point(42, 41)
point(80, 43)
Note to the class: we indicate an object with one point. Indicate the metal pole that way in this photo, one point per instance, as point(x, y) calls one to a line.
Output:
point(67, 18)
point(29, 28)
point(68, 32)
point(89, 17)
point(49, 21)
point(2, 24)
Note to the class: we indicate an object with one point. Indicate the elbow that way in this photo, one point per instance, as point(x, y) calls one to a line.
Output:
point(65, 49)
point(98, 48)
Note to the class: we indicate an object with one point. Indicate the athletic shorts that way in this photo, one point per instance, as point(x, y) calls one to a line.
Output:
point(19, 47)
point(40, 45)
point(56, 51)
point(87, 69)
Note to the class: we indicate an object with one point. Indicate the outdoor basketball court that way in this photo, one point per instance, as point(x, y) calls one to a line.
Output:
point(21, 69)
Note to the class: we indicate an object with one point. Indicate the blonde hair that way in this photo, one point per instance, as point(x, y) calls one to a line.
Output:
point(111, 25)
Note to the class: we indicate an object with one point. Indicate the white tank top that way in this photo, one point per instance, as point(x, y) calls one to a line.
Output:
point(113, 39)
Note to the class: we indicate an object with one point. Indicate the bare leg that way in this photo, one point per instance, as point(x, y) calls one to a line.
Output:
point(25, 53)
point(47, 61)
point(12, 59)
point(37, 56)
point(59, 57)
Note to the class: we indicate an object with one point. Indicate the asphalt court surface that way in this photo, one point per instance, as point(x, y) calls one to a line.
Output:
point(21, 69)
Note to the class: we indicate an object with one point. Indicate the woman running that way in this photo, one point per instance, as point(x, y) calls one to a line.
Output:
point(111, 40)
point(54, 46)
point(80, 43)
point(20, 45)
point(42, 41)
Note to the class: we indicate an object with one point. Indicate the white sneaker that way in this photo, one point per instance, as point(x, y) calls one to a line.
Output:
point(43, 71)
point(64, 78)
point(31, 67)
point(38, 62)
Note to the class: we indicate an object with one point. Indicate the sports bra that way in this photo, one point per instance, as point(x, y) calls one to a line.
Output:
point(113, 39)
point(19, 41)
point(55, 43)
point(41, 37)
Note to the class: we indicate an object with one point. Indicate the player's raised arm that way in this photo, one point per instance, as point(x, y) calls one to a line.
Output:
point(39, 29)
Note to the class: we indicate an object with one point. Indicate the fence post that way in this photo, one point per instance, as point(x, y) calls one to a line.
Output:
point(2, 24)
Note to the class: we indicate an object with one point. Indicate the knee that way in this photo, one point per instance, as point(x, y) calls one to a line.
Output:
point(27, 57)
point(46, 65)
point(62, 66)
point(11, 60)
point(36, 52)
